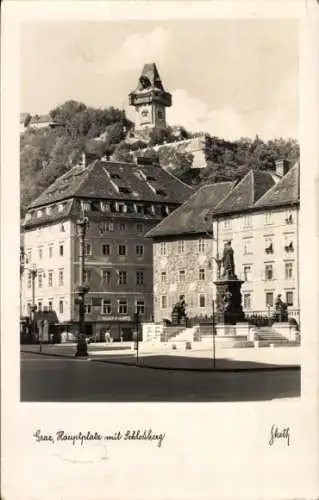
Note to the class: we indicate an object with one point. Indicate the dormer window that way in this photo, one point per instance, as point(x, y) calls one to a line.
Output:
point(150, 178)
point(39, 213)
point(61, 207)
point(48, 210)
point(28, 216)
point(115, 176)
point(161, 192)
point(124, 190)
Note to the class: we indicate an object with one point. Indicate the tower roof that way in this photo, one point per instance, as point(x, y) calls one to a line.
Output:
point(150, 73)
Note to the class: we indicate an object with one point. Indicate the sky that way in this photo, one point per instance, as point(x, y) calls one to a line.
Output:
point(230, 78)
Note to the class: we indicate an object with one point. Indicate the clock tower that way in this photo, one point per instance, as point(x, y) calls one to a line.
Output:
point(150, 100)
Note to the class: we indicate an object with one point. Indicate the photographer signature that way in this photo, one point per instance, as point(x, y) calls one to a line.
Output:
point(276, 433)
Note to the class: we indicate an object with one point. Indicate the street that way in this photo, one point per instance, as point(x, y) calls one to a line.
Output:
point(57, 379)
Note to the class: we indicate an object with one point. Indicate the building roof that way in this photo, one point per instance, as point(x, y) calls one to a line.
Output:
point(116, 181)
point(285, 192)
point(247, 192)
point(256, 190)
point(190, 217)
point(150, 72)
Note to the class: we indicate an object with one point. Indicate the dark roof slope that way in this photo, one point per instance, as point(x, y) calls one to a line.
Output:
point(252, 187)
point(190, 217)
point(111, 180)
point(285, 192)
point(150, 72)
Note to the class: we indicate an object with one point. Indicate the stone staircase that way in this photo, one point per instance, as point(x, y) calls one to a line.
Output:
point(269, 336)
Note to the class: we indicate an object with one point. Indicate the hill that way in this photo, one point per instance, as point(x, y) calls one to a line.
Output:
point(46, 153)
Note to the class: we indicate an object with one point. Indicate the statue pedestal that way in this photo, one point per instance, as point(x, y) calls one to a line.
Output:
point(233, 312)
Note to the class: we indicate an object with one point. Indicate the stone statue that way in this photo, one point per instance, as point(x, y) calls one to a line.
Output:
point(228, 261)
point(179, 311)
point(281, 313)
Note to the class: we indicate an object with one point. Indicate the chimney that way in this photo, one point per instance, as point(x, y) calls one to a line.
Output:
point(282, 167)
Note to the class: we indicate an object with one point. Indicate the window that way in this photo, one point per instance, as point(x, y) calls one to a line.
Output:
point(122, 277)
point(29, 280)
point(181, 276)
point(85, 206)
point(201, 246)
point(289, 246)
point(106, 249)
point(139, 227)
point(40, 306)
point(40, 279)
point(88, 308)
point(122, 307)
point(202, 274)
point(268, 218)
point(122, 249)
point(29, 255)
point(247, 221)
point(50, 251)
point(140, 306)
point(61, 277)
point(40, 253)
point(163, 248)
point(227, 224)
point(163, 301)
point(140, 210)
point(88, 249)
point(39, 213)
point(61, 250)
point(269, 299)
point(247, 300)
point(139, 277)
point(61, 207)
point(106, 276)
point(139, 249)
point(50, 305)
point(62, 229)
point(50, 278)
point(181, 246)
point(289, 217)
point(288, 270)
point(247, 273)
point(105, 206)
point(202, 301)
point(269, 247)
point(86, 276)
point(269, 275)
point(122, 227)
point(163, 277)
point(290, 298)
point(61, 306)
point(247, 246)
point(106, 306)
point(109, 226)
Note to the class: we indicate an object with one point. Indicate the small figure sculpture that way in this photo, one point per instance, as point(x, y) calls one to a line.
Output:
point(228, 261)
point(227, 300)
point(179, 311)
point(281, 313)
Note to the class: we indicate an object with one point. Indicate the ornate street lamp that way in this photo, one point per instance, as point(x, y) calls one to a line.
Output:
point(82, 290)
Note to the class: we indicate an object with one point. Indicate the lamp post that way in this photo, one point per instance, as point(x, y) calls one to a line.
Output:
point(137, 323)
point(33, 270)
point(214, 335)
point(82, 290)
